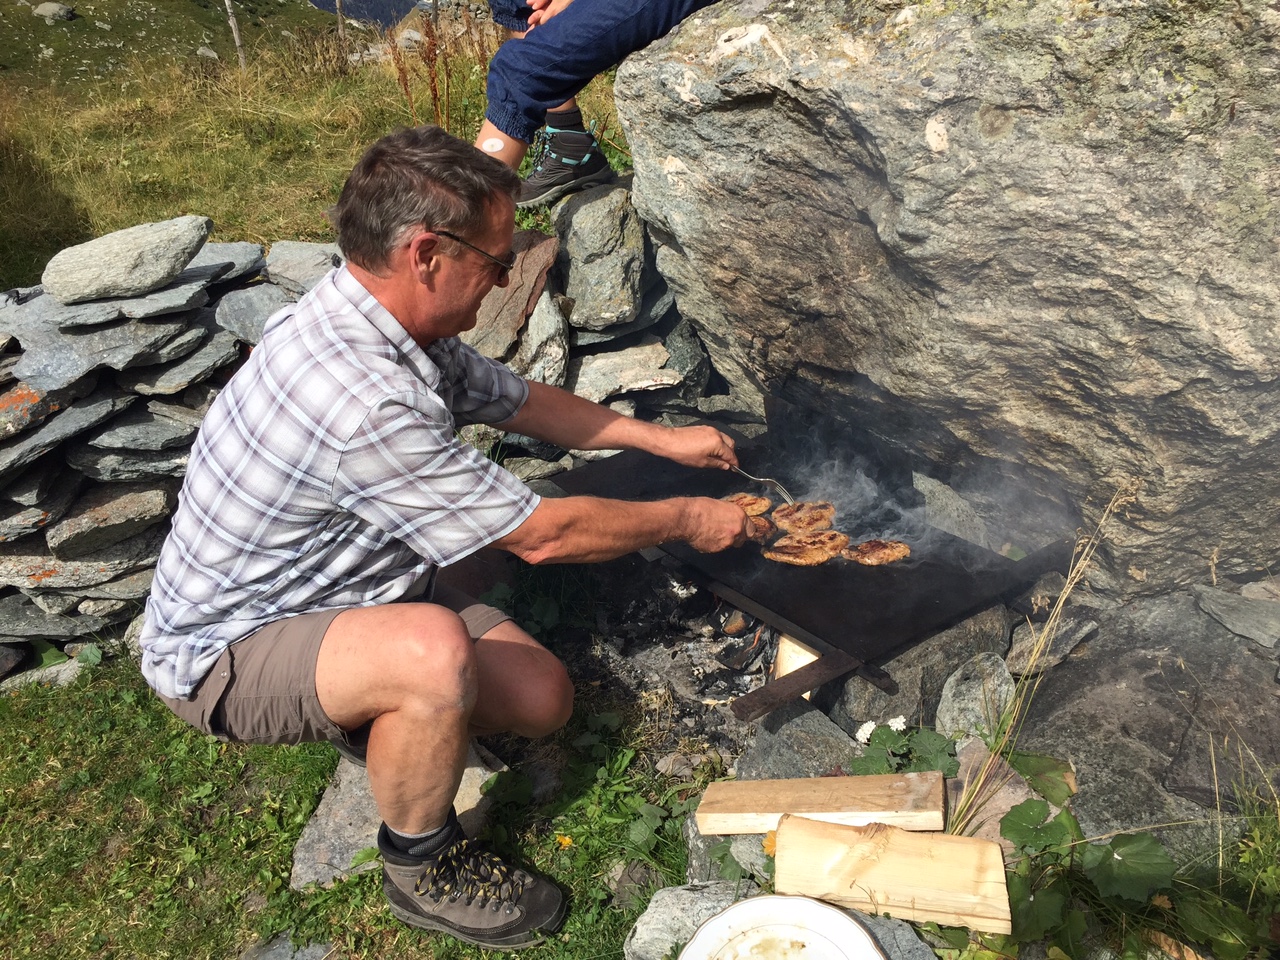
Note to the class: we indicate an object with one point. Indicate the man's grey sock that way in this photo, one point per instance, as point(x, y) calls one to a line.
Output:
point(425, 845)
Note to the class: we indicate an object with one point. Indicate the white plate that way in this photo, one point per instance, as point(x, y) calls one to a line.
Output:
point(781, 928)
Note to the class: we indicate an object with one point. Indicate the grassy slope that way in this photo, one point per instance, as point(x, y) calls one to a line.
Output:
point(107, 34)
point(263, 153)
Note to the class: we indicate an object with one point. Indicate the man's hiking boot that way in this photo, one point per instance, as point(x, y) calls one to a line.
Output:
point(563, 161)
point(470, 893)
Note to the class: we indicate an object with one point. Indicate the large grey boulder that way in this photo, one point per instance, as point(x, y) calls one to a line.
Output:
point(602, 257)
point(1034, 244)
point(127, 263)
point(54, 11)
point(1163, 716)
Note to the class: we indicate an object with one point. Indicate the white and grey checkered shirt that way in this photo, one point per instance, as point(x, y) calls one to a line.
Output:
point(327, 474)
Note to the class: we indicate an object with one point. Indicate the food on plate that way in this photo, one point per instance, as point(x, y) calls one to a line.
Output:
point(805, 517)
point(807, 549)
point(761, 529)
point(753, 505)
point(874, 553)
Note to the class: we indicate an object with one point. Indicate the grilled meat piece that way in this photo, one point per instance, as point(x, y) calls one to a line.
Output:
point(805, 516)
point(761, 529)
point(874, 553)
point(753, 505)
point(807, 549)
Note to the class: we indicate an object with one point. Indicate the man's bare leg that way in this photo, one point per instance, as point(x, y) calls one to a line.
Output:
point(414, 672)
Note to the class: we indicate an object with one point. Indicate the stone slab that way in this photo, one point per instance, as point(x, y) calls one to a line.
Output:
point(122, 466)
point(297, 266)
point(144, 430)
point(26, 566)
point(107, 514)
point(19, 617)
point(80, 416)
point(167, 379)
point(346, 821)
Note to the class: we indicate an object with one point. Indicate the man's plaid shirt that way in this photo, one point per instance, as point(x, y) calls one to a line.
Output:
point(327, 474)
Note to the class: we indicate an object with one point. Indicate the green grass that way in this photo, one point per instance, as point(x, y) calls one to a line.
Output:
point(263, 152)
point(125, 833)
point(108, 35)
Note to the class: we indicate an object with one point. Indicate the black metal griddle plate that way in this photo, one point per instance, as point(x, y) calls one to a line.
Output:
point(868, 612)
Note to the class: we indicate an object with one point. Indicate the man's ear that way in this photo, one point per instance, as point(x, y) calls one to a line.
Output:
point(424, 254)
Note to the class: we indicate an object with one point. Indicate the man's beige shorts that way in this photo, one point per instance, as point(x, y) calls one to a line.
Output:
point(263, 688)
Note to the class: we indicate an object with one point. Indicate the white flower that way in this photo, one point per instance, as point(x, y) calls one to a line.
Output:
point(898, 724)
point(864, 732)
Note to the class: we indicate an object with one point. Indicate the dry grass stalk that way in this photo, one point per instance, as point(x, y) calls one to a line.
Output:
point(993, 775)
point(402, 74)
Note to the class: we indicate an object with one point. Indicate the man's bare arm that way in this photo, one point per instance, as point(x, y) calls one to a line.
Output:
point(590, 529)
point(559, 417)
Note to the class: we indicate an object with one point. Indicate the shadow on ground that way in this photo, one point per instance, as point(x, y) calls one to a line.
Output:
point(36, 218)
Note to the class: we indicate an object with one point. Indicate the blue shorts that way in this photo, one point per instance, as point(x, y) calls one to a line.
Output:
point(554, 61)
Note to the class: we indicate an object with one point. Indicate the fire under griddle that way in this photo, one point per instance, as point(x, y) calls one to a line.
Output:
point(866, 613)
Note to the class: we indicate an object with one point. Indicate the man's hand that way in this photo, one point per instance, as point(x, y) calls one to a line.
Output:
point(699, 447)
point(716, 525)
point(544, 10)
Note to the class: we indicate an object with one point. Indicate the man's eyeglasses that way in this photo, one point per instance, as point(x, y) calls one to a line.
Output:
point(506, 263)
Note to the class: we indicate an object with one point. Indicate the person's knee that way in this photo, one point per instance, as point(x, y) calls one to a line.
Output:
point(437, 660)
point(553, 703)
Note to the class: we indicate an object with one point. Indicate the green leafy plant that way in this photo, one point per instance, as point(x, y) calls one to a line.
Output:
point(891, 748)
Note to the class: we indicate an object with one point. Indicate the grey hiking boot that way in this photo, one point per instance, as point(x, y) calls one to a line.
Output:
point(470, 893)
point(563, 161)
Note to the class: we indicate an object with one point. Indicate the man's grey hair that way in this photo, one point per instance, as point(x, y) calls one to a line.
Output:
point(411, 179)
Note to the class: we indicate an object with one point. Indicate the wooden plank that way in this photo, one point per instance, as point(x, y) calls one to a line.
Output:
point(791, 656)
point(955, 881)
point(912, 801)
point(775, 693)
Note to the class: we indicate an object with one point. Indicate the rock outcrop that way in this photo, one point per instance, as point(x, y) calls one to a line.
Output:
point(1029, 249)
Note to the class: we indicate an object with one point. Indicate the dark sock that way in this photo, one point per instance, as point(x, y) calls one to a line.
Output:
point(568, 120)
point(427, 844)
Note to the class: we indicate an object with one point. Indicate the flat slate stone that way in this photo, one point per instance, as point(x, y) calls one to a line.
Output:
point(50, 601)
point(543, 354)
point(179, 413)
point(128, 262)
point(503, 311)
point(125, 466)
point(81, 416)
point(24, 565)
point(55, 675)
point(19, 617)
point(297, 266)
point(187, 292)
point(109, 610)
point(1070, 633)
point(1258, 620)
point(54, 358)
point(658, 299)
point(603, 375)
point(43, 311)
point(34, 484)
point(180, 346)
point(23, 406)
point(245, 312)
point(242, 259)
point(975, 697)
point(142, 429)
point(167, 379)
point(131, 586)
point(8, 362)
point(13, 654)
point(107, 514)
point(21, 520)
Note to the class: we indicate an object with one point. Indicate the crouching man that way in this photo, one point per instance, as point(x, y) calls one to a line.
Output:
point(296, 597)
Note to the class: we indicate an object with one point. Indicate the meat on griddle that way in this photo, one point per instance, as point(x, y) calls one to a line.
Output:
point(875, 553)
point(753, 505)
point(807, 549)
point(807, 516)
point(761, 529)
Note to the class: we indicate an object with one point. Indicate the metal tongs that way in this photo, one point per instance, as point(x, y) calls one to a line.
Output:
point(773, 485)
